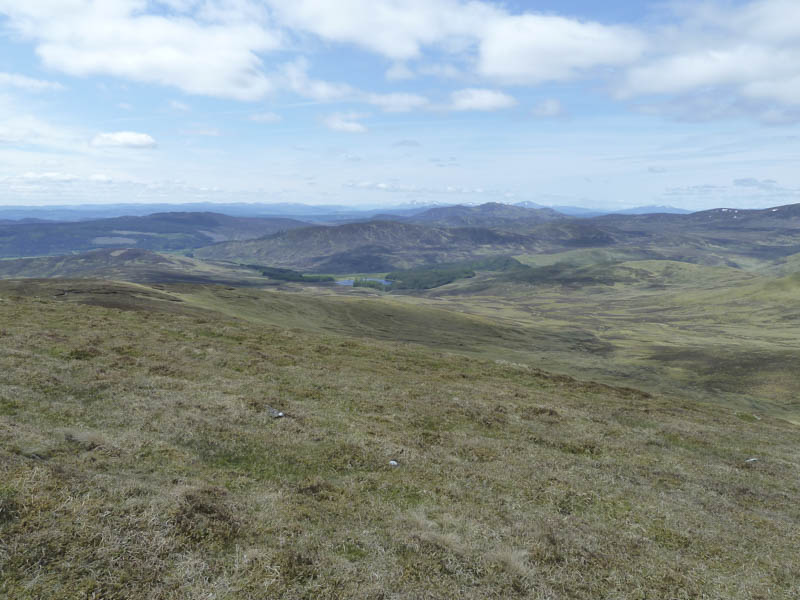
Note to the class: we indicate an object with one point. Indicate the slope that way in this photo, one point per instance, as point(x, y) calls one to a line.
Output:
point(368, 247)
point(130, 264)
point(161, 231)
point(126, 475)
point(491, 215)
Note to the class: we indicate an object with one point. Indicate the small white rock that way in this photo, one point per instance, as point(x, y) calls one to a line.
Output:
point(393, 463)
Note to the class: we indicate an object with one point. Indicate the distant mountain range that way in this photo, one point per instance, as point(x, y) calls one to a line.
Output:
point(578, 211)
point(437, 235)
point(325, 213)
point(20, 214)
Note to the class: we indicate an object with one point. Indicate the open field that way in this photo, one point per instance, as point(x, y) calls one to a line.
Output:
point(140, 459)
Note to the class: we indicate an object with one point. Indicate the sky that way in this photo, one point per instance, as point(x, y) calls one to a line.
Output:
point(605, 105)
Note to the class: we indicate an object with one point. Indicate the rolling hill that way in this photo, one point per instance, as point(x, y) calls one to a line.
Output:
point(130, 264)
point(368, 247)
point(491, 215)
point(160, 231)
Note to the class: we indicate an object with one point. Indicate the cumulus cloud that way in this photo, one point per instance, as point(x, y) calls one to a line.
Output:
point(123, 139)
point(196, 50)
point(345, 122)
point(738, 60)
point(532, 49)
point(528, 48)
point(28, 84)
point(397, 29)
point(480, 99)
point(296, 78)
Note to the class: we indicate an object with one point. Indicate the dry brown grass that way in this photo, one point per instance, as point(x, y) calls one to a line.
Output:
point(138, 459)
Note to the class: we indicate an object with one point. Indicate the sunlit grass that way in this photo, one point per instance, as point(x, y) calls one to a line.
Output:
point(139, 459)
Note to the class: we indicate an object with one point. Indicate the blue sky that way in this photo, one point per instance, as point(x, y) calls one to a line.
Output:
point(386, 102)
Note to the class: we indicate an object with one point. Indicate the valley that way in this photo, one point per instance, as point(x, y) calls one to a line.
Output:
point(703, 306)
point(504, 408)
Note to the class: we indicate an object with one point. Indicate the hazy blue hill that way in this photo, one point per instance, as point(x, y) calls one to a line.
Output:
point(161, 231)
point(491, 215)
point(779, 217)
point(579, 211)
point(304, 212)
point(652, 209)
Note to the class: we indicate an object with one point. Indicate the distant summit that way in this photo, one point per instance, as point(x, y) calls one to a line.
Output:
point(510, 217)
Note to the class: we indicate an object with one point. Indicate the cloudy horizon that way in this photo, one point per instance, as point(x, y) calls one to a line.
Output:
point(385, 102)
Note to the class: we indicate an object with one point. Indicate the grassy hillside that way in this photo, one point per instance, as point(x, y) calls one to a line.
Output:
point(369, 247)
point(128, 264)
point(126, 475)
point(712, 333)
point(161, 231)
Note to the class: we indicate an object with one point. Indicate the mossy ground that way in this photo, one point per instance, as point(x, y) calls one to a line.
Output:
point(139, 459)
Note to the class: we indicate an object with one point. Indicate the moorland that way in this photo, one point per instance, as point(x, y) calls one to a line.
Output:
point(598, 407)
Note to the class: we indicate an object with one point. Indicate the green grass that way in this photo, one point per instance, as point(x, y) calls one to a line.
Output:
point(708, 333)
point(139, 459)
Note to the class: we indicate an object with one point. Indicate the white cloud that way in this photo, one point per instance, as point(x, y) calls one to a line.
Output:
point(297, 79)
point(397, 102)
point(397, 29)
point(548, 108)
point(295, 75)
point(198, 50)
point(532, 49)
point(728, 60)
point(528, 48)
point(19, 128)
point(266, 117)
point(480, 99)
point(123, 139)
point(27, 83)
point(711, 58)
point(345, 122)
